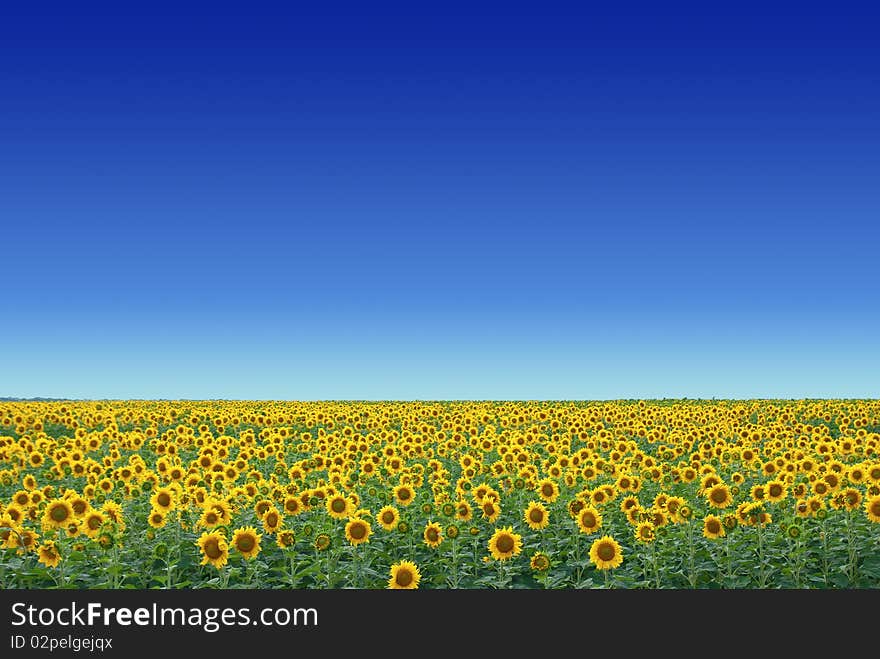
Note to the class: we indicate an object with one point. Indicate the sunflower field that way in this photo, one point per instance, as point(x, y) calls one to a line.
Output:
point(599, 494)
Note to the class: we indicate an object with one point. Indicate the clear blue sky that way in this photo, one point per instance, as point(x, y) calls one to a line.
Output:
point(674, 200)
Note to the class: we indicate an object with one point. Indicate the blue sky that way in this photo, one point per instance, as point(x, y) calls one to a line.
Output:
point(384, 204)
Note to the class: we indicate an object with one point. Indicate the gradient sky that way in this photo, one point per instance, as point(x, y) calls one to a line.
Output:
point(671, 201)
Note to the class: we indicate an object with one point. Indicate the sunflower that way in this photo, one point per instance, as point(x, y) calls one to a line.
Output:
point(91, 524)
point(539, 562)
point(628, 502)
point(357, 531)
point(463, 512)
point(548, 490)
point(58, 514)
point(404, 576)
point(24, 541)
point(79, 504)
point(574, 507)
point(589, 520)
point(113, 511)
point(645, 532)
point(156, 519)
point(272, 520)
point(433, 535)
point(872, 509)
point(505, 544)
point(852, 498)
point(490, 509)
point(163, 500)
point(292, 506)
point(536, 516)
point(322, 542)
point(388, 517)
point(719, 496)
point(7, 528)
point(209, 518)
point(48, 554)
point(247, 541)
point(285, 538)
point(713, 528)
point(338, 506)
point(775, 490)
point(403, 494)
point(215, 549)
point(605, 553)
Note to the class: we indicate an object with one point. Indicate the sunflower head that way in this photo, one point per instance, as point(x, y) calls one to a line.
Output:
point(433, 535)
point(214, 548)
point(645, 533)
point(713, 527)
point(539, 562)
point(357, 531)
point(589, 520)
point(322, 542)
point(246, 541)
point(505, 544)
point(404, 576)
point(48, 554)
point(59, 513)
point(605, 553)
point(388, 518)
point(285, 539)
point(536, 516)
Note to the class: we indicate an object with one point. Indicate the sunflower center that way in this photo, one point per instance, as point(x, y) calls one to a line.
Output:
point(338, 505)
point(212, 549)
point(403, 495)
point(775, 490)
point(358, 531)
point(94, 523)
point(388, 517)
point(245, 543)
point(163, 499)
point(588, 519)
point(505, 544)
point(272, 519)
point(875, 508)
point(719, 495)
point(713, 526)
point(59, 513)
point(547, 490)
point(404, 577)
point(536, 515)
point(605, 551)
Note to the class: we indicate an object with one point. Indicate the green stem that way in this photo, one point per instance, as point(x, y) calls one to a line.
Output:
point(729, 576)
point(762, 579)
point(692, 573)
point(824, 535)
point(853, 565)
point(454, 566)
point(654, 564)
